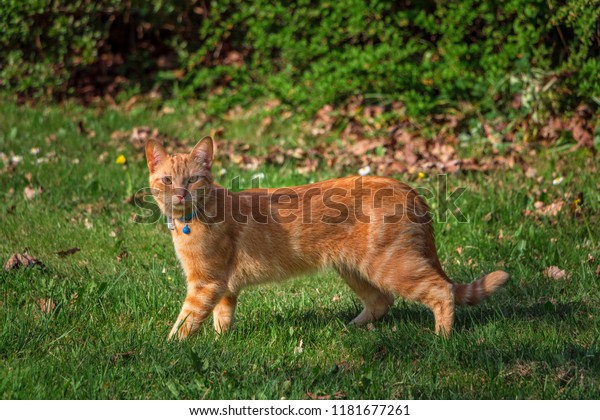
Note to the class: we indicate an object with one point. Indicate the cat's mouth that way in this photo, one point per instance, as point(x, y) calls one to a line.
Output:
point(180, 203)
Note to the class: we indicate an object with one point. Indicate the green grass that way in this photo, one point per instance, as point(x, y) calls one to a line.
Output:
point(106, 337)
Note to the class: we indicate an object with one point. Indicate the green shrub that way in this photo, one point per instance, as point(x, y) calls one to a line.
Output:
point(428, 54)
point(43, 45)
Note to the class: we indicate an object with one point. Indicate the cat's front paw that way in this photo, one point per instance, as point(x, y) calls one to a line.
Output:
point(181, 330)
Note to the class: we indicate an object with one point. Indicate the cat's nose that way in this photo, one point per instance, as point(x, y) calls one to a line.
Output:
point(179, 198)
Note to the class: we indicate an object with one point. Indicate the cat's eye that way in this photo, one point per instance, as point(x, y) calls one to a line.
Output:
point(166, 180)
point(193, 179)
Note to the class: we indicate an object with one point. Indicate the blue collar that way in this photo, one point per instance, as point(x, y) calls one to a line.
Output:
point(188, 217)
point(185, 219)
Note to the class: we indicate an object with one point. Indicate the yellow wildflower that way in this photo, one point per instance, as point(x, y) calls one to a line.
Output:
point(121, 160)
point(420, 175)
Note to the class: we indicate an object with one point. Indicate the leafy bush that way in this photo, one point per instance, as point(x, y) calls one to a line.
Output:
point(307, 53)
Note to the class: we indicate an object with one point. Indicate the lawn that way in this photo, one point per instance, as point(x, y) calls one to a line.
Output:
point(93, 323)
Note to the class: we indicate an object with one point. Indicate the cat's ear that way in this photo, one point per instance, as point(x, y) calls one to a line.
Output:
point(155, 155)
point(203, 152)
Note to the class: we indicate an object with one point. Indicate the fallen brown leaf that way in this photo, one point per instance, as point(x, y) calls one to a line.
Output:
point(542, 209)
point(336, 395)
point(555, 273)
point(363, 146)
point(24, 260)
point(68, 252)
point(131, 102)
point(324, 121)
point(102, 157)
point(46, 305)
point(122, 356)
point(530, 172)
point(122, 255)
point(31, 193)
point(166, 110)
point(314, 396)
point(139, 135)
point(582, 134)
point(266, 121)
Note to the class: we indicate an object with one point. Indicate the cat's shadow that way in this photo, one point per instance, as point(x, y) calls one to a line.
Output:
point(467, 319)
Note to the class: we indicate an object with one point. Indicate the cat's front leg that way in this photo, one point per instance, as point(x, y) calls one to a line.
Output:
point(223, 312)
point(202, 296)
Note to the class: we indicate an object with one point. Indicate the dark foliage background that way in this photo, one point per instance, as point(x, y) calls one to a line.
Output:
point(307, 53)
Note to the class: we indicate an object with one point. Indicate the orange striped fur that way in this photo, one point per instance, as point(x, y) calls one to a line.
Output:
point(375, 232)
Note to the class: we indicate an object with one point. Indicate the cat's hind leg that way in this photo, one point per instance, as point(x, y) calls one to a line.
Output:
point(434, 291)
point(440, 299)
point(376, 302)
point(223, 312)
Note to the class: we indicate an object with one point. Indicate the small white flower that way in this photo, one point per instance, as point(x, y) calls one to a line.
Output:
point(34, 151)
point(41, 160)
point(364, 171)
point(260, 176)
point(16, 159)
point(558, 181)
point(222, 172)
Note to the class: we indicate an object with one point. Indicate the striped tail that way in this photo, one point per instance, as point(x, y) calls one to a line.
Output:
point(473, 293)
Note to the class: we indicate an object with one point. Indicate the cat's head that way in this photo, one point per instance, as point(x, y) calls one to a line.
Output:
point(179, 182)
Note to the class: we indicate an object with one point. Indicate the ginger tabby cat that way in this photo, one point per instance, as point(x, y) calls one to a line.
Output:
point(375, 232)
